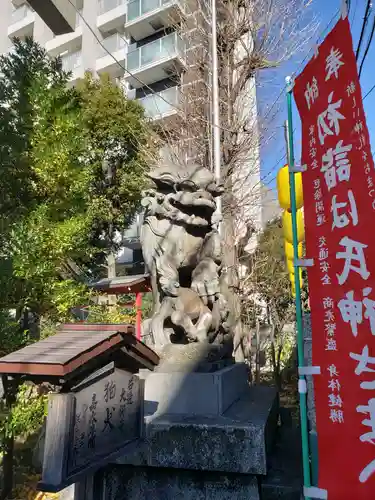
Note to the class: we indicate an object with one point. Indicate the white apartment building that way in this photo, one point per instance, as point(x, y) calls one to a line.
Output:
point(109, 36)
point(136, 34)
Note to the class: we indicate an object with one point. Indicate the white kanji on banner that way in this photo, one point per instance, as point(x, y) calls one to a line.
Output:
point(354, 259)
point(364, 359)
point(341, 219)
point(333, 63)
point(311, 92)
point(336, 165)
point(369, 437)
point(333, 116)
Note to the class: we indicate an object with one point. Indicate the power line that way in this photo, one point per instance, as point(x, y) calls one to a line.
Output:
point(126, 70)
point(157, 94)
point(301, 63)
point(282, 92)
point(114, 58)
point(177, 108)
point(162, 97)
point(364, 24)
point(143, 84)
point(369, 92)
point(354, 12)
point(367, 47)
point(294, 73)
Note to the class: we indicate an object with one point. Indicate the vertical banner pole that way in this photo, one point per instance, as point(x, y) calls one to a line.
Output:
point(300, 343)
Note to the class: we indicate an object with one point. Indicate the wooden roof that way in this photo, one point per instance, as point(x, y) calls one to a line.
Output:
point(79, 348)
point(124, 284)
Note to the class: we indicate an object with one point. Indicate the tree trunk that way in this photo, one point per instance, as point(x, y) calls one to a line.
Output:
point(275, 358)
point(111, 264)
point(232, 281)
point(8, 467)
point(257, 353)
point(279, 374)
point(111, 268)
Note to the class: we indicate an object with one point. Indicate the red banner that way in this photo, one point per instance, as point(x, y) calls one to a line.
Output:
point(339, 205)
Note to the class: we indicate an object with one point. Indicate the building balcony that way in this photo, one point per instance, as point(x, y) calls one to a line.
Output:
point(59, 15)
point(155, 61)
point(115, 45)
point(70, 41)
point(22, 22)
point(72, 61)
point(145, 17)
point(161, 105)
point(112, 14)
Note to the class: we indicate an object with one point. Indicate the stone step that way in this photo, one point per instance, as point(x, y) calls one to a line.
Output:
point(284, 479)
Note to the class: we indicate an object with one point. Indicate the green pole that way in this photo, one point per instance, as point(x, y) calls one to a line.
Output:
point(299, 321)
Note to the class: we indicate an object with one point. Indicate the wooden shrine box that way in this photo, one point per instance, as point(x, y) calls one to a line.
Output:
point(97, 414)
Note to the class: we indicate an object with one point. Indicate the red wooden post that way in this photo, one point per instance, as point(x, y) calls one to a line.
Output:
point(138, 306)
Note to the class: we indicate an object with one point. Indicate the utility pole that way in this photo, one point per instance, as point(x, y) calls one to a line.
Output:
point(216, 110)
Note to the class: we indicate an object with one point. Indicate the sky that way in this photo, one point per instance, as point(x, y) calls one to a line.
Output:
point(273, 145)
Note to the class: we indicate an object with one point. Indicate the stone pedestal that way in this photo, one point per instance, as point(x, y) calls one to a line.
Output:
point(207, 436)
point(197, 393)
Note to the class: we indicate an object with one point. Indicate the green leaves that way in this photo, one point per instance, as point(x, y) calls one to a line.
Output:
point(73, 165)
point(76, 171)
point(26, 416)
point(117, 138)
point(20, 70)
point(11, 336)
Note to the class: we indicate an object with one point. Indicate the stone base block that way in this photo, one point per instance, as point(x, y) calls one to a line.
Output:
point(194, 393)
point(130, 483)
point(194, 357)
point(235, 442)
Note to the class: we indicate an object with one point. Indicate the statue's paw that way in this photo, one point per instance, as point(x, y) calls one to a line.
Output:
point(170, 288)
point(202, 336)
point(225, 326)
point(199, 288)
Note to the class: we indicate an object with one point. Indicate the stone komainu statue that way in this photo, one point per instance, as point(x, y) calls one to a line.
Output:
point(182, 252)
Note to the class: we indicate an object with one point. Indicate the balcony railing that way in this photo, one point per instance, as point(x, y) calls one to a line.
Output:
point(162, 103)
point(138, 8)
point(71, 60)
point(112, 44)
point(107, 5)
point(167, 46)
point(20, 13)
